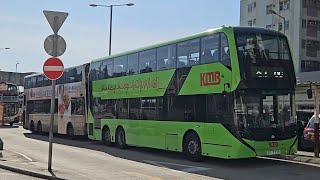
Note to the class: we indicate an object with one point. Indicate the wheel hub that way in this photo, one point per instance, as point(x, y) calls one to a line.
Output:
point(120, 138)
point(193, 146)
point(107, 136)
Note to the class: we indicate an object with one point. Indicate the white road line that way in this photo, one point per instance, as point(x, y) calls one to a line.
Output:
point(289, 161)
point(142, 175)
point(186, 168)
point(25, 156)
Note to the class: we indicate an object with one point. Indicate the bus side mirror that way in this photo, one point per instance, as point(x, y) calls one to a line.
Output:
point(224, 92)
point(309, 93)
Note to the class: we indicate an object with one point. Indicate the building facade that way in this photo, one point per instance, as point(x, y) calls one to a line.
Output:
point(298, 19)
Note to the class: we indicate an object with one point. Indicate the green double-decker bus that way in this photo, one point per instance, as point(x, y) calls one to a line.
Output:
point(226, 93)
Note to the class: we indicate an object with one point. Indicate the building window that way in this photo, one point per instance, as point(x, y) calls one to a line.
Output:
point(311, 50)
point(268, 8)
point(312, 11)
point(251, 6)
point(307, 66)
point(312, 47)
point(250, 23)
point(312, 28)
point(305, 3)
point(304, 23)
point(303, 44)
point(286, 25)
point(284, 5)
point(280, 26)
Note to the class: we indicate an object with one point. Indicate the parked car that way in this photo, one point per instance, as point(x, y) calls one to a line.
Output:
point(307, 139)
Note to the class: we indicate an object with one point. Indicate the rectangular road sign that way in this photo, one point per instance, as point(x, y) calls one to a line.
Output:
point(55, 19)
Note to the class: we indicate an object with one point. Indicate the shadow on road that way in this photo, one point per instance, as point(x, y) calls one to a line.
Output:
point(212, 167)
point(8, 126)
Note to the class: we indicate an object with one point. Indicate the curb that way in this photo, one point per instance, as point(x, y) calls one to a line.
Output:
point(29, 173)
point(300, 158)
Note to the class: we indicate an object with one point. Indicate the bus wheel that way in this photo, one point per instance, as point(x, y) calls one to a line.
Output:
point(70, 131)
point(39, 128)
point(192, 147)
point(106, 136)
point(121, 138)
point(32, 127)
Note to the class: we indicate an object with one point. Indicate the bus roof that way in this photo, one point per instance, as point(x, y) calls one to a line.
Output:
point(210, 31)
point(205, 33)
point(37, 74)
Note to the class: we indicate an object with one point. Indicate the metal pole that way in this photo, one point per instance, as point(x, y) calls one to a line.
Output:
point(51, 123)
point(110, 29)
point(52, 99)
point(284, 25)
point(316, 122)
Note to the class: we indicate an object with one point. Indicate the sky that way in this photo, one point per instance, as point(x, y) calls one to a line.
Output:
point(24, 27)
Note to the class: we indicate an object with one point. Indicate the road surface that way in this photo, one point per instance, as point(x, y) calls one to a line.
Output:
point(96, 161)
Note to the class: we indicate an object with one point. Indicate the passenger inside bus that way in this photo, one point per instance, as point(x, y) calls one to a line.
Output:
point(206, 56)
point(161, 64)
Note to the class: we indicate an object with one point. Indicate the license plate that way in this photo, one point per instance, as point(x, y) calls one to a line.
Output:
point(273, 144)
point(274, 152)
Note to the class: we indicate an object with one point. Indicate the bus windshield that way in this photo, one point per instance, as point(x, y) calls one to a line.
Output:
point(12, 90)
point(263, 110)
point(264, 59)
point(257, 47)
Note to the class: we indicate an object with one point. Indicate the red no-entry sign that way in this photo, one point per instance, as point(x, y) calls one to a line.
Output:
point(53, 68)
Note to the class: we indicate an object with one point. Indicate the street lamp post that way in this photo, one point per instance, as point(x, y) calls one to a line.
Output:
point(17, 67)
point(111, 7)
point(284, 19)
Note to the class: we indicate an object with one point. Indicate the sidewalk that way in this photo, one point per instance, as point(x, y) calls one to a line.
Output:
point(16, 162)
point(301, 156)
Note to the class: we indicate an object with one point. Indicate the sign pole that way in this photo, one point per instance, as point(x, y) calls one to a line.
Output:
point(53, 67)
point(53, 90)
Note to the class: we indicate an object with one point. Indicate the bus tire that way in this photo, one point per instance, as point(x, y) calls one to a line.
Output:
point(121, 138)
point(106, 136)
point(70, 131)
point(39, 128)
point(32, 129)
point(192, 147)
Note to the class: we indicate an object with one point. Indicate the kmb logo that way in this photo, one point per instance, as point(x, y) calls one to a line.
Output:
point(210, 78)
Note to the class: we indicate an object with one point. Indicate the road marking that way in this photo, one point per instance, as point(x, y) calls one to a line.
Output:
point(23, 155)
point(142, 175)
point(186, 169)
point(289, 161)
